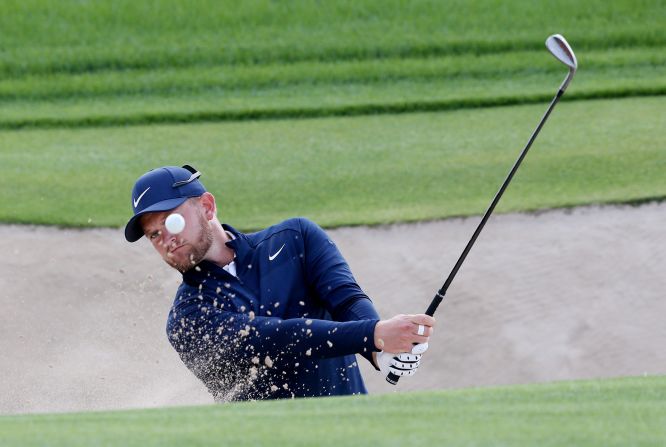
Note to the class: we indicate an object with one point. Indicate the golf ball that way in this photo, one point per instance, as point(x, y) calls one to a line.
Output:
point(175, 223)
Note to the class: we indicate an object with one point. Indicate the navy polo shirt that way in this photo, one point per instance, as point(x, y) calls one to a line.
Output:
point(287, 325)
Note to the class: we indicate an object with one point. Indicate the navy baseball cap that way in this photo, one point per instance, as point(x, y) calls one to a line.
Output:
point(161, 189)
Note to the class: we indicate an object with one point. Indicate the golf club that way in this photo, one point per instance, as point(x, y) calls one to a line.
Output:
point(558, 47)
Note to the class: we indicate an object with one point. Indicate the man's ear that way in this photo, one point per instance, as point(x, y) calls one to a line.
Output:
point(208, 203)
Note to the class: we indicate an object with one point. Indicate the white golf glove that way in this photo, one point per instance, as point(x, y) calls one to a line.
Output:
point(403, 364)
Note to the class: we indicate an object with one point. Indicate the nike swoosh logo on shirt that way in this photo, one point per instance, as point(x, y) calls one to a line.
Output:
point(270, 258)
point(138, 199)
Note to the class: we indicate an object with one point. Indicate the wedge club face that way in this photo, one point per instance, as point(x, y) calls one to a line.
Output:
point(560, 48)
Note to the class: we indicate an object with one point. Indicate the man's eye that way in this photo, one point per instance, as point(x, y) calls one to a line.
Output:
point(154, 235)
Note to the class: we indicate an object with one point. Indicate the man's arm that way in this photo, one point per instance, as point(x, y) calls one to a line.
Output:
point(204, 327)
point(210, 339)
point(328, 273)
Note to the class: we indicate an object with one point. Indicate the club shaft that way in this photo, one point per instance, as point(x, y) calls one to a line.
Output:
point(561, 50)
point(442, 291)
point(392, 378)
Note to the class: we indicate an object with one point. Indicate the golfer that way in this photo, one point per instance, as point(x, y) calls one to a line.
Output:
point(266, 315)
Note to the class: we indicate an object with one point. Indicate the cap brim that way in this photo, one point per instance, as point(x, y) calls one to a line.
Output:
point(133, 229)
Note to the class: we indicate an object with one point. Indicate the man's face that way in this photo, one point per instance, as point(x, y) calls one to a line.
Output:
point(184, 250)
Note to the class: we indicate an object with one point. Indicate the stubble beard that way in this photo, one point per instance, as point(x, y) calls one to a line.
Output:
point(198, 249)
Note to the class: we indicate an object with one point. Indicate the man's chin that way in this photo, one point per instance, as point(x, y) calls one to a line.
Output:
point(180, 265)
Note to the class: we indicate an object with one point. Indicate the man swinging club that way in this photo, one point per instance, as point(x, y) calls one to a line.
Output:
point(271, 314)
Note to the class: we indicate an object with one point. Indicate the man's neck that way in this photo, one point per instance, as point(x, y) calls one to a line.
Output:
point(219, 253)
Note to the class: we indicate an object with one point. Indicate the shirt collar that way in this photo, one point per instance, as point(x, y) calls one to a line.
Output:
point(242, 249)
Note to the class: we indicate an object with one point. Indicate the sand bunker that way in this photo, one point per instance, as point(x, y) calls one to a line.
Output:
point(549, 296)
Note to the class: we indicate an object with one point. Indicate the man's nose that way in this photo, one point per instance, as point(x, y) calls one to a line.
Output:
point(167, 237)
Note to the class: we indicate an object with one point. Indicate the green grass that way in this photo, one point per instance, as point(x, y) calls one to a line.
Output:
point(174, 80)
point(81, 64)
point(93, 94)
point(346, 171)
point(320, 89)
point(75, 36)
point(616, 412)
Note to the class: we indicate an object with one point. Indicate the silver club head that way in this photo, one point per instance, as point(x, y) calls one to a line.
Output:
point(559, 47)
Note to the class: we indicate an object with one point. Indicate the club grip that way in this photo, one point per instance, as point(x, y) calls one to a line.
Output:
point(392, 378)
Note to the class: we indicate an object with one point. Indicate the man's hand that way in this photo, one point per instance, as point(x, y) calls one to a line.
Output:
point(400, 333)
point(398, 364)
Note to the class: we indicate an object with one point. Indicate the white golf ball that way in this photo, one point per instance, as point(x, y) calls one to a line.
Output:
point(175, 223)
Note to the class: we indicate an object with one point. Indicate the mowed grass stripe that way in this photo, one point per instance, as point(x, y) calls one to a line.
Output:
point(130, 63)
point(487, 69)
point(204, 116)
point(379, 90)
point(73, 37)
point(613, 412)
point(347, 171)
point(36, 61)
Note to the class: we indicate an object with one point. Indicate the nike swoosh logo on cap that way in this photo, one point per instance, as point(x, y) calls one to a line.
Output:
point(138, 199)
point(270, 258)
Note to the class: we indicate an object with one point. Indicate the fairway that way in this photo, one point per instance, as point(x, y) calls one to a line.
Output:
point(312, 89)
point(606, 413)
point(319, 110)
point(134, 63)
point(364, 170)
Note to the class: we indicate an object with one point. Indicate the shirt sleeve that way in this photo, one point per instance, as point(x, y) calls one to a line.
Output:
point(329, 275)
point(199, 327)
